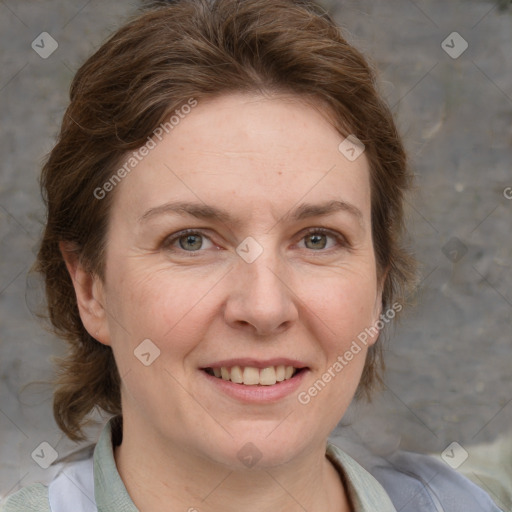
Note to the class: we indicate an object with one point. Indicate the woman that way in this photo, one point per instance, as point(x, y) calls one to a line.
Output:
point(223, 248)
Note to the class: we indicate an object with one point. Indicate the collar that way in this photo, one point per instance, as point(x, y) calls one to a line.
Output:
point(365, 493)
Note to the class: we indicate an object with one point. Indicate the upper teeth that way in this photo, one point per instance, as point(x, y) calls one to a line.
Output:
point(251, 376)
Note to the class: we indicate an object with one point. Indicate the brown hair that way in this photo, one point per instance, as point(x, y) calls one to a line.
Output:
point(149, 68)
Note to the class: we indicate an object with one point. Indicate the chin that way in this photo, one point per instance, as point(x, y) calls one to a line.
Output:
point(262, 449)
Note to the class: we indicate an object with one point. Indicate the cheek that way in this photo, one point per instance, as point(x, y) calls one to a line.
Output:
point(168, 307)
point(341, 314)
point(344, 303)
point(170, 310)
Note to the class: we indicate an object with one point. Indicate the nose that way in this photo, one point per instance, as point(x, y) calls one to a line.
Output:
point(260, 300)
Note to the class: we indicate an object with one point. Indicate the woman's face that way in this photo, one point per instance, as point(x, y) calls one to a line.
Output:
point(276, 269)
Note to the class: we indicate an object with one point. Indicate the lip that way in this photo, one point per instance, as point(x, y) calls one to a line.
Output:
point(256, 394)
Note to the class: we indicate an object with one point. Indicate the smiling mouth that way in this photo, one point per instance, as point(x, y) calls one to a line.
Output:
point(250, 376)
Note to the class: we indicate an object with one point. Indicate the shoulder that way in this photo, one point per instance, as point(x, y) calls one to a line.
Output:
point(33, 498)
point(420, 483)
point(72, 483)
point(489, 466)
point(431, 482)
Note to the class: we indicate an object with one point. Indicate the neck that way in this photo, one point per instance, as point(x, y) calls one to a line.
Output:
point(160, 477)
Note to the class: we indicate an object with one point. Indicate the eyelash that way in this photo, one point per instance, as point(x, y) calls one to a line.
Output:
point(339, 238)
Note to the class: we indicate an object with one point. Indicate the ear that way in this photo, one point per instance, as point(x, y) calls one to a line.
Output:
point(377, 310)
point(90, 294)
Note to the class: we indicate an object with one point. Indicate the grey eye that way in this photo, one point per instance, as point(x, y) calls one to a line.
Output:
point(191, 242)
point(316, 241)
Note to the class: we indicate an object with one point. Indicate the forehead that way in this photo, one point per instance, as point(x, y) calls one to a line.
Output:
point(240, 151)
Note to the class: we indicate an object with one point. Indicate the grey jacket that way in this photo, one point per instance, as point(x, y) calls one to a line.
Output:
point(421, 483)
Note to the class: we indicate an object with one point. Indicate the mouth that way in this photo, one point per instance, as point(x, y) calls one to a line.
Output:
point(252, 376)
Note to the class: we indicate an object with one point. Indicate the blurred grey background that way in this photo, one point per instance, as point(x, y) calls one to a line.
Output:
point(446, 70)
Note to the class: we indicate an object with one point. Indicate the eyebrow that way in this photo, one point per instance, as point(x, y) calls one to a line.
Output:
point(206, 212)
